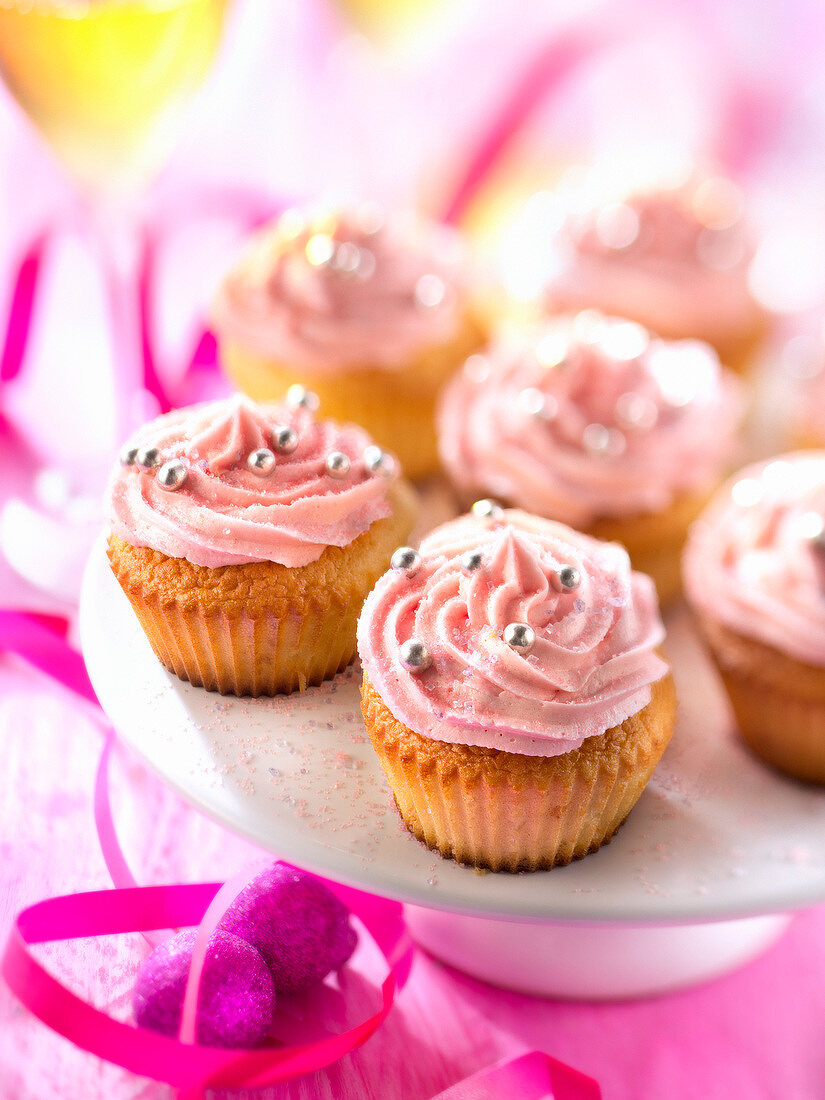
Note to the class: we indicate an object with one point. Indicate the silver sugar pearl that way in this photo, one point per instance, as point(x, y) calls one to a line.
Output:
point(337, 464)
point(347, 258)
point(540, 405)
point(414, 656)
point(519, 636)
point(261, 462)
point(602, 441)
point(430, 291)
point(284, 440)
point(406, 560)
point(569, 578)
point(487, 509)
point(811, 526)
point(471, 561)
point(172, 475)
point(299, 397)
point(367, 265)
point(371, 218)
point(477, 368)
point(624, 340)
point(128, 456)
point(635, 410)
point(148, 457)
point(320, 249)
point(553, 348)
point(377, 461)
point(617, 226)
point(747, 492)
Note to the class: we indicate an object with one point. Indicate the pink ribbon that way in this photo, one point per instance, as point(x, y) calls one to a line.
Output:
point(24, 289)
point(237, 204)
point(229, 203)
point(553, 64)
point(182, 1065)
point(532, 1076)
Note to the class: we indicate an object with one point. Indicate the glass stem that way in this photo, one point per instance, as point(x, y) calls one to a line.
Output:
point(117, 239)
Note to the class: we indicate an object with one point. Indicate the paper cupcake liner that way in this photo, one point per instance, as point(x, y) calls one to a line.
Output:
point(396, 406)
point(778, 702)
point(508, 812)
point(242, 655)
point(297, 627)
point(784, 731)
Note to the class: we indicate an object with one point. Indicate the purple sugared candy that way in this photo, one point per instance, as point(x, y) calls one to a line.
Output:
point(236, 995)
point(299, 926)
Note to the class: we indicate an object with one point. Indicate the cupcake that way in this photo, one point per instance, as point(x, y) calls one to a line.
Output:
point(675, 260)
point(512, 688)
point(374, 314)
point(591, 421)
point(755, 575)
point(246, 538)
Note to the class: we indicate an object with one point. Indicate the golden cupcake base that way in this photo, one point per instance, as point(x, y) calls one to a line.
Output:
point(259, 628)
point(509, 812)
point(655, 541)
point(779, 702)
point(395, 406)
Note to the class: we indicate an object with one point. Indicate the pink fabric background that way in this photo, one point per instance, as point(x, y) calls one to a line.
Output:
point(288, 128)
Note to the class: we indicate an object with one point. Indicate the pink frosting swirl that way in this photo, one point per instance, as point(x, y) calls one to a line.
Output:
point(675, 260)
point(755, 560)
point(226, 514)
point(350, 290)
point(591, 664)
point(587, 417)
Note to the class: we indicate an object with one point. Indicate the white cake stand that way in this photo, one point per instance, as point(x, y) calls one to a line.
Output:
point(701, 877)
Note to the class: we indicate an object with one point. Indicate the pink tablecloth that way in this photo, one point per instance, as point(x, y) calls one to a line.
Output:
point(753, 1034)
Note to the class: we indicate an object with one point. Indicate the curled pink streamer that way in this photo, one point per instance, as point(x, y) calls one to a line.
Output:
point(119, 871)
point(187, 1031)
point(186, 1066)
point(248, 208)
point(531, 1076)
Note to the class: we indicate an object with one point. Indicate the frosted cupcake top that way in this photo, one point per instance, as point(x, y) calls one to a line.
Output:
point(353, 288)
point(676, 260)
point(230, 482)
point(755, 559)
point(512, 632)
point(588, 416)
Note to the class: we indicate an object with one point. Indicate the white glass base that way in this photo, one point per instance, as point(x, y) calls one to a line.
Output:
point(591, 962)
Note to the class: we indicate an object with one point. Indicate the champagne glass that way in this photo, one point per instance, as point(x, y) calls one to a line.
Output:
point(106, 82)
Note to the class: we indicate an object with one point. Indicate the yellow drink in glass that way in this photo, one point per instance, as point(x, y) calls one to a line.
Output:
point(105, 80)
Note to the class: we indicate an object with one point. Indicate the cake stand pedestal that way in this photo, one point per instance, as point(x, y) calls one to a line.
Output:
point(591, 962)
